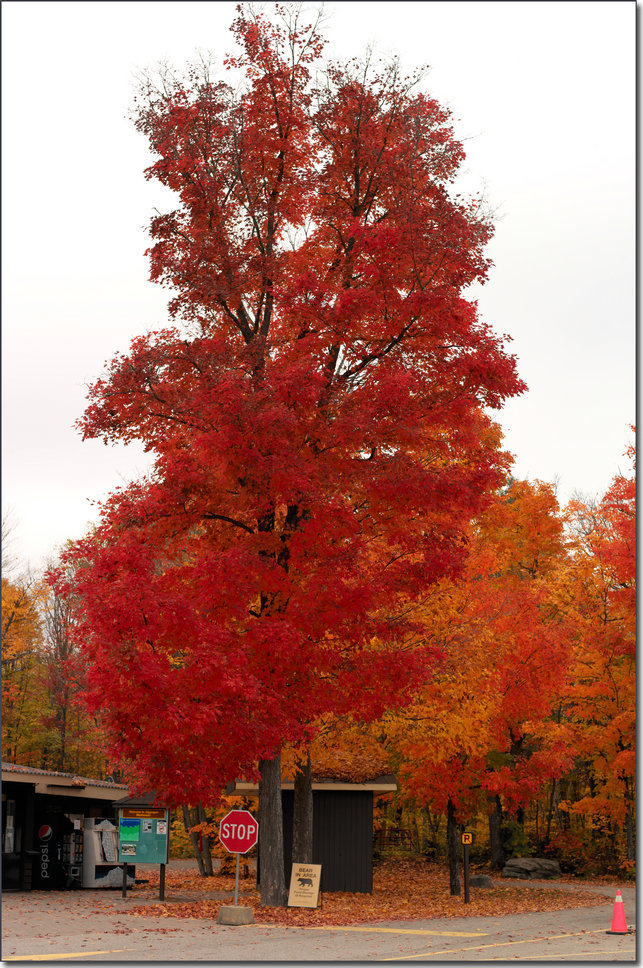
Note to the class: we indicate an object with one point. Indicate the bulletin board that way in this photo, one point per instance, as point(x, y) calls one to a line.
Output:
point(143, 835)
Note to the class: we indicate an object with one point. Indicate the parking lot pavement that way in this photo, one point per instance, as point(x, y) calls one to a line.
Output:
point(70, 927)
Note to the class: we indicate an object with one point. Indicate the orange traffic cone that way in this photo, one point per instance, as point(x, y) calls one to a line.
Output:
point(619, 925)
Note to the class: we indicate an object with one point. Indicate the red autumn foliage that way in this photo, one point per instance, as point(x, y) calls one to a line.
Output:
point(317, 415)
point(599, 594)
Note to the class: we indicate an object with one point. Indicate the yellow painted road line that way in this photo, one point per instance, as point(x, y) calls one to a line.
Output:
point(578, 954)
point(76, 954)
point(496, 944)
point(446, 934)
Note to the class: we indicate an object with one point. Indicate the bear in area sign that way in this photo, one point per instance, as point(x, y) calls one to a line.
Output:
point(304, 885)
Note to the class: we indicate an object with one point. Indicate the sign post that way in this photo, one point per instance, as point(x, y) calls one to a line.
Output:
point(238, 833)
point(467, 840)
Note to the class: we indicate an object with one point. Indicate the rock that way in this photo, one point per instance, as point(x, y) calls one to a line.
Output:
point(480, 880)
point(534, 868)
point(235, 914)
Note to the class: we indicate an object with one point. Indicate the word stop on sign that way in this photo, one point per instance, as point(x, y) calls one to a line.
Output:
point(238, 831)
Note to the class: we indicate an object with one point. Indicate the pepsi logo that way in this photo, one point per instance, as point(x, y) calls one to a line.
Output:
point(45, 832)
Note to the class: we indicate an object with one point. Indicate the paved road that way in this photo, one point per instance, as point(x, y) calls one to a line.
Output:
point(66, 927)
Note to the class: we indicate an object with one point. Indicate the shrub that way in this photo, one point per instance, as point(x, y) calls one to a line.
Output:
point(180, 844)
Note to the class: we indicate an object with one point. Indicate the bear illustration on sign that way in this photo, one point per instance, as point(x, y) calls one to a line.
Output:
point(305, 880)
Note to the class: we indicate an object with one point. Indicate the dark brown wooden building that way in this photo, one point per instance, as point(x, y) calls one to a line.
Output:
point(342, 830)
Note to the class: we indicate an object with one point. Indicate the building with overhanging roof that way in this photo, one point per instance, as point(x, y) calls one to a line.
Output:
point(43, 817)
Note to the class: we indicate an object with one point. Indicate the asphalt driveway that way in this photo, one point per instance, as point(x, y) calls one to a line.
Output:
point(69, 927)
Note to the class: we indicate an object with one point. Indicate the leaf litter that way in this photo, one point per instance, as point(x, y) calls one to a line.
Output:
point(402, 891)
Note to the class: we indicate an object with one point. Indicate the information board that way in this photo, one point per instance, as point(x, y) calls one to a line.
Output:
point(143, 835)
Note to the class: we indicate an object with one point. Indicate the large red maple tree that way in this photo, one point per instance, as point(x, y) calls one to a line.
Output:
point(317, 415)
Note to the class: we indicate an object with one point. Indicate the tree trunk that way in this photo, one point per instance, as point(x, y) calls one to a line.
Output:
point(188, 823)
point(204, 844)
point(495, 837)
point(200, 843)
point(452, 845)
point(629, 835)
point(537, 815)
point(272, 881)
point(415, 834)
point(62, 719)
point(302, 824)
point(629, 821)
point(550, 812)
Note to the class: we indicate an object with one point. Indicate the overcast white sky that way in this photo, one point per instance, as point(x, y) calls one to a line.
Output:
point(543, 93)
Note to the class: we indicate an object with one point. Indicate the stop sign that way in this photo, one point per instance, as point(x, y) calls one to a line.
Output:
point(238, 831)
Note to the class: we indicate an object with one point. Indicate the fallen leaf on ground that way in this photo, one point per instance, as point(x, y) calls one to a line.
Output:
point(402, 891)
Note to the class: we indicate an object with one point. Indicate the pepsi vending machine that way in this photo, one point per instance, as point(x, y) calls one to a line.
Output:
point(59, 845)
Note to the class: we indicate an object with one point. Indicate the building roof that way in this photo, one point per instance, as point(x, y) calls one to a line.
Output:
point(381, 784)
point(139, 800)
point(70, 784)
point(65, 784)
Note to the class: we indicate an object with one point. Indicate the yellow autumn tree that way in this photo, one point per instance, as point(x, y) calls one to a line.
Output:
point(21, 639)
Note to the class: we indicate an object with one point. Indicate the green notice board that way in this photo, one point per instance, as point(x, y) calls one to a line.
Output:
point(143, 835)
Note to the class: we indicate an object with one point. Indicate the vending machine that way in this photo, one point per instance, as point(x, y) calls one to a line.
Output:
point(59, 846)
point(100, 858)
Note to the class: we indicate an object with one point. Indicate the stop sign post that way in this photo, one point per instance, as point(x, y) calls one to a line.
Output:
point(238, 832)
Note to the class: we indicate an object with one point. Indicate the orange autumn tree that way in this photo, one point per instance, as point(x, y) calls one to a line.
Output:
point(44, 724)
point(343, 748)
point(473, 737)
point(21, 638)
point(599, 596)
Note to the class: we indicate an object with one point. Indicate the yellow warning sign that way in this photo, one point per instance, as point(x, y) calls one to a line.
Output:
point(467, 838)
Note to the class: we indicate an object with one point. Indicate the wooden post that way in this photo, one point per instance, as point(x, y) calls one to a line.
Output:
point(466, 839)
point(162, 883)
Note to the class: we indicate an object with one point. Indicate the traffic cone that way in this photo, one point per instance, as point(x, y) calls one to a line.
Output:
point(619, 925)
